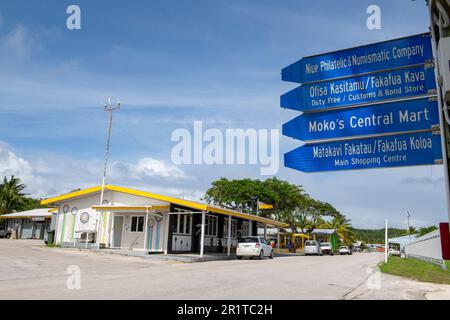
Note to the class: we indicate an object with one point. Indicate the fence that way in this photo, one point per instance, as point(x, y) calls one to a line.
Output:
point(427, 247)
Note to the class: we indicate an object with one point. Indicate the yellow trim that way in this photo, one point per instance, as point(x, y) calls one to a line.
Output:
point(125, 208)
point(71, 195)
point(26, 217)
point(53, 210)
point(186, 203)
point(181, 202)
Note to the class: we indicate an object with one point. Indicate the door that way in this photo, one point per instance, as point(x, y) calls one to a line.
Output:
point(150, 224)
point(182, 234)
point(266, 248)
point(27, 229)
point(117, 232)
point(38, 230)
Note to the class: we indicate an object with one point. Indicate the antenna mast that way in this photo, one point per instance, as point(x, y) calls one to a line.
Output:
point(110, 108)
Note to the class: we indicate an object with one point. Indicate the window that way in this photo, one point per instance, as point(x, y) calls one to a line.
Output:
point(137, 224)
point(249, 240)
point(184, 224)
point(245, 228)
point(233, 228)
point(211, 223)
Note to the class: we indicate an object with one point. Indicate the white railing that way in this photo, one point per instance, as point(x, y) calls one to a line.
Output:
point(427, 247)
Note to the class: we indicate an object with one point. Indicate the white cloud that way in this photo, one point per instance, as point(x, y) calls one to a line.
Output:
point(51, 175)
point(18, 42)
point(11, 164)
point(145, 168)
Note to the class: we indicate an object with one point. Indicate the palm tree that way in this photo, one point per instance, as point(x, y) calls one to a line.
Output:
point(342, 226)
point(12, 197)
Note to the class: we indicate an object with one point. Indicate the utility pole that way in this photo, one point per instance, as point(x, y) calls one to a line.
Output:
point(408, 215)
point(110, 108)
point(386, 243)
point(440, 32)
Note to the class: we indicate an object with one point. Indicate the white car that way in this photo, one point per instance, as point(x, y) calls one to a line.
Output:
point(326, 248)
point(254, 247)
point(394, 252)
point(345, 250)
point(312, 248)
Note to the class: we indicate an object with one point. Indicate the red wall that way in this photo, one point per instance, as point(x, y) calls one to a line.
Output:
point(445, 240)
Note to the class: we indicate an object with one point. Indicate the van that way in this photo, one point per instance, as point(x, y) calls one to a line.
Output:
point(312, 248)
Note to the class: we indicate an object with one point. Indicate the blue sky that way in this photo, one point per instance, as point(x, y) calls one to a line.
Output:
point(174, 62)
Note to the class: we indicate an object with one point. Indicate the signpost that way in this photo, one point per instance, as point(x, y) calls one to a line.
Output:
point(368, 107)
point(383, 152)
point(389, 85)
point(411, 115)
point(365, 59)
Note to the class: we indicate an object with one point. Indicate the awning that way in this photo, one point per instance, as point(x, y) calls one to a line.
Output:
point(171, 200)
point(29, 214)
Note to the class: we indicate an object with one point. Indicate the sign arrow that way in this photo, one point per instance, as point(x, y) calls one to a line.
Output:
point(394, 117)
point(384, 86)
point(382, 152)
point(360, 60)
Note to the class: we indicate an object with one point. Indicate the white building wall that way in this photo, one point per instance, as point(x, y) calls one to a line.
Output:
point(119, 198)
point(68, 223)
point(427, 247)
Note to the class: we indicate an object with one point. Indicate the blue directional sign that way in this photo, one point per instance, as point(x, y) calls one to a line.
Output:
point(366, 59)
point(394, 117)
point(382, 152)
point(383, 86)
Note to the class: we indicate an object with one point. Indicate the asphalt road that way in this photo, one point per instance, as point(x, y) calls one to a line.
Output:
point(28, 270)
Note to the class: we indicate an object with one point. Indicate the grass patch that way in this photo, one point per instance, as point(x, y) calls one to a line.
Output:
point(417, 270)
point(52, 245)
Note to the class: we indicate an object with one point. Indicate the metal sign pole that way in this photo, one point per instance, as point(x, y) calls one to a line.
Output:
point(442, 120)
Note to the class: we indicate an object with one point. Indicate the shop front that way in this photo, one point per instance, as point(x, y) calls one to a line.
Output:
point(31, 224)
point(139, 220)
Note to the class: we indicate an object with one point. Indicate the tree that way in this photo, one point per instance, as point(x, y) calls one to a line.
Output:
point(342, 227)
point(12, 197)
point(243, 195)
point(239, 195)
point(425, 230)
point(291, 204)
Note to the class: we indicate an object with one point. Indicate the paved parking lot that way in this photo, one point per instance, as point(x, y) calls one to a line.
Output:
point(28, 270)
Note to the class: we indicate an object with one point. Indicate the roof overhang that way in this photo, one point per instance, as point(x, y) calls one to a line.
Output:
point(246, 216)
point(171, 200)
point(130, 208)
point(25, 217)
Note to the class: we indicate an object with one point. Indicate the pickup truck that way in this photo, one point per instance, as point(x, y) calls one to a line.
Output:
point(5, 233)
point(326, 248)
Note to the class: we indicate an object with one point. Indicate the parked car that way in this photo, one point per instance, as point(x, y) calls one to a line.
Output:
point(345, 250)
point(5, 233)
point(326, 248)
point(394, 252)
point(254, 247)
point(312, 248)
